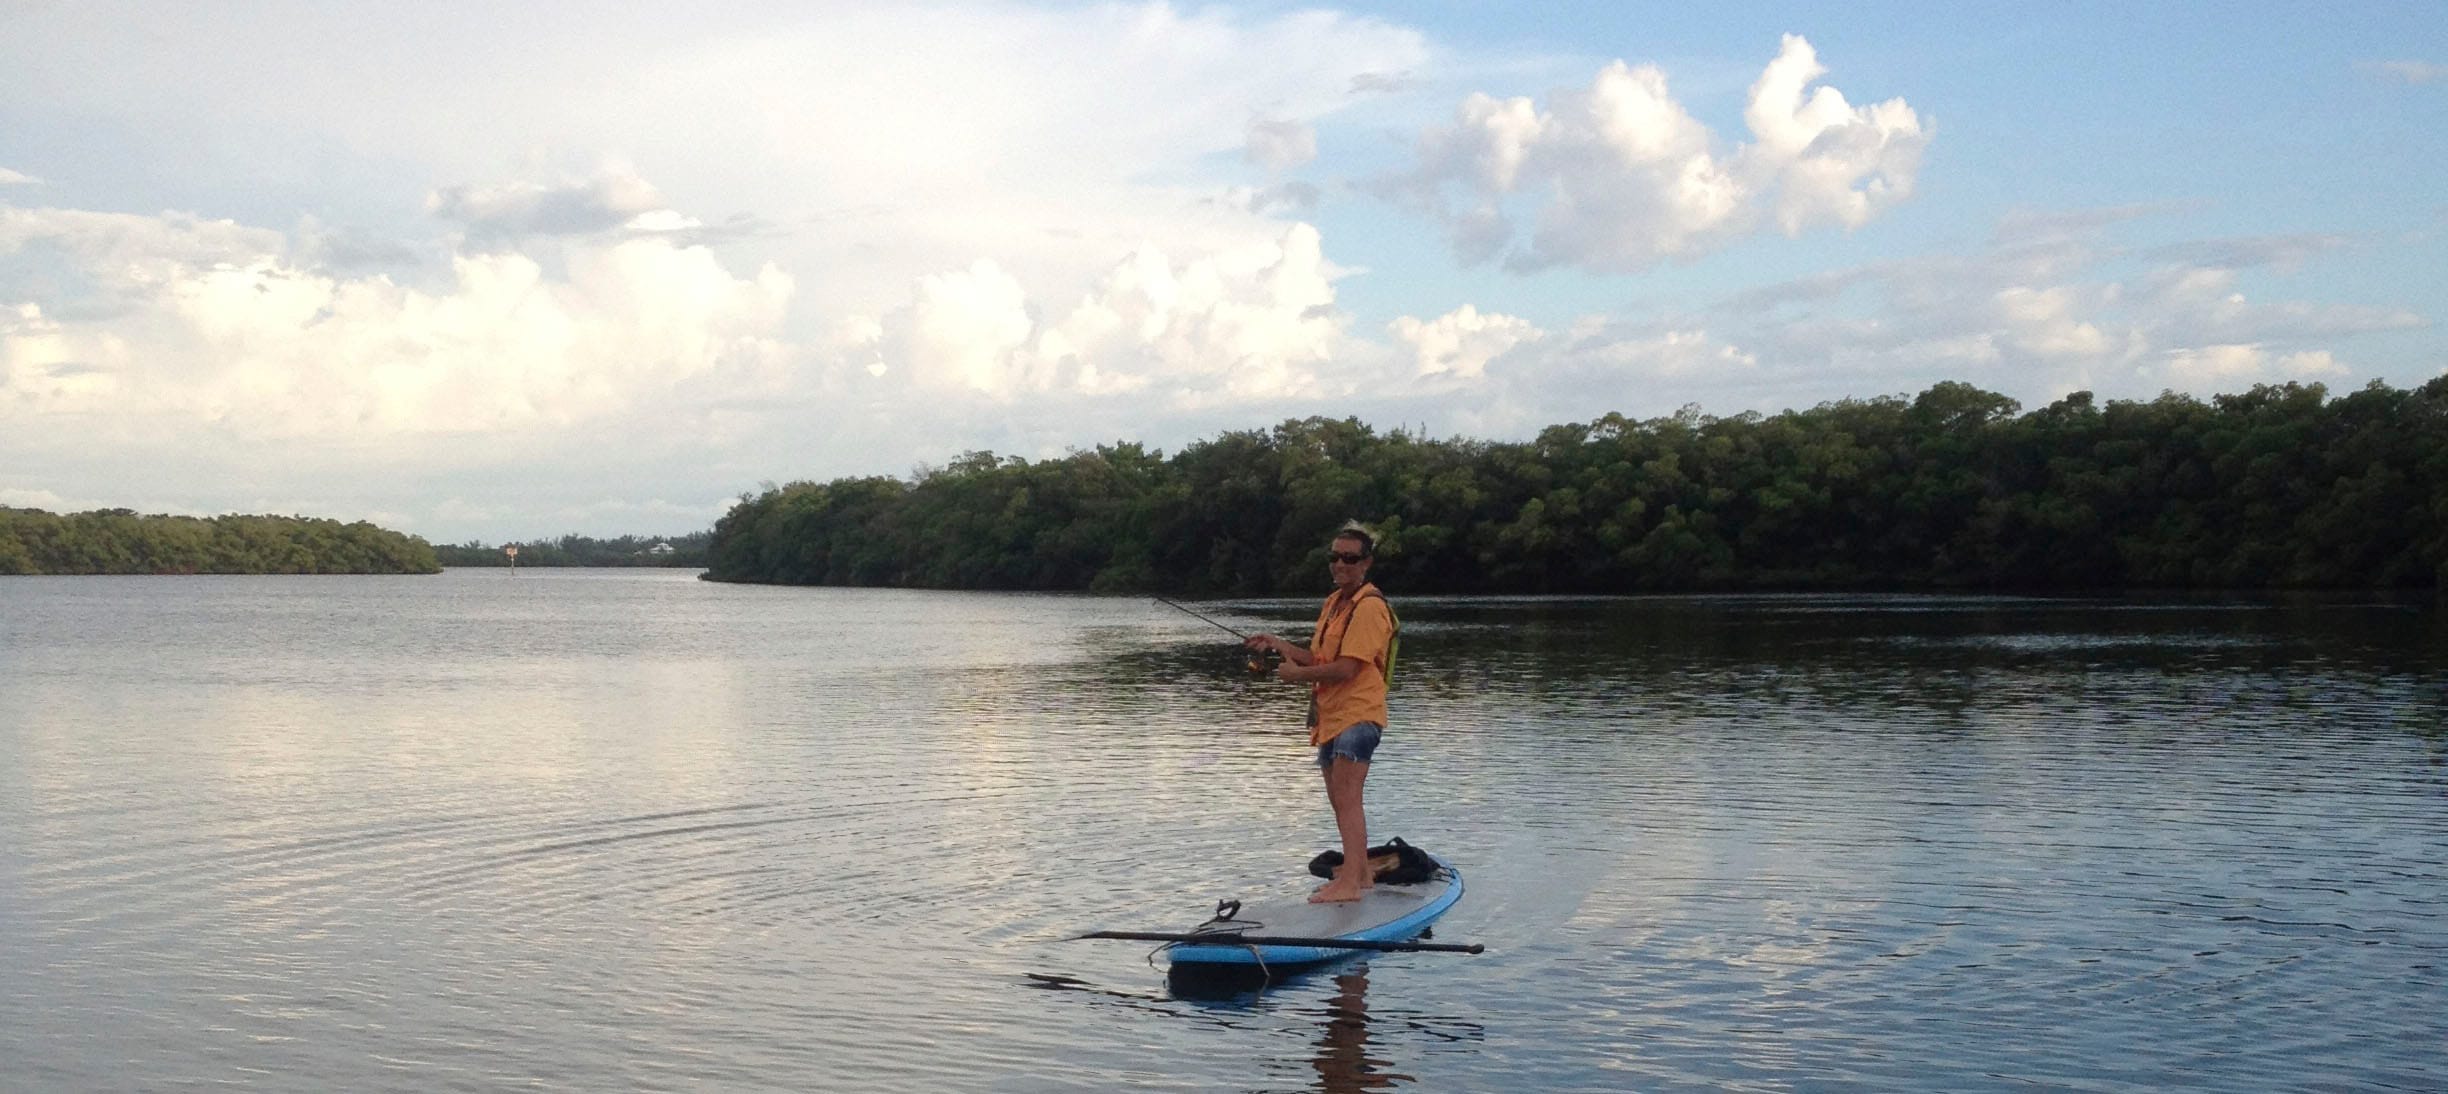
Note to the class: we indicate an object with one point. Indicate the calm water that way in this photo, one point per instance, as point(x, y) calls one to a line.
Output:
point(632, 831)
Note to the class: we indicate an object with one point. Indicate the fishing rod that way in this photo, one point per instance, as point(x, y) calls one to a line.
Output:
point(1202, 618)
point(1258, 662)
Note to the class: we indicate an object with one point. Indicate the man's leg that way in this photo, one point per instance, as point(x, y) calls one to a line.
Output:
point(1344, 780)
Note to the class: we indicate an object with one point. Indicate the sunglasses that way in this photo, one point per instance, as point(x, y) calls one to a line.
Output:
point(1348, 560)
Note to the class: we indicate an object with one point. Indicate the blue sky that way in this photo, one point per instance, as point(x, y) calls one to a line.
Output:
point(600, 268)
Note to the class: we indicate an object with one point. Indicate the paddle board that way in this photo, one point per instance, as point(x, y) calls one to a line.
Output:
point(1388, 913)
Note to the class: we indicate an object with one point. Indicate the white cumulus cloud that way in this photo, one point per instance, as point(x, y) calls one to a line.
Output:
point(1249, 322)
point(223, 326)
point(1461, 342)
point(2045, 323)
point(1819, 159)
point(1618, 176)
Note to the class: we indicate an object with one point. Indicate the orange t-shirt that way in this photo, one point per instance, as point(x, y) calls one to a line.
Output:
point(1346, 630)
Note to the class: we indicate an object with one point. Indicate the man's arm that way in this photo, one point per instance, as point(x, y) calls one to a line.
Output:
point(1332, 672)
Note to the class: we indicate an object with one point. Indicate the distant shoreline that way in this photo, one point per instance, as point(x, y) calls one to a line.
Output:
point(644, 552)
point(123, 542)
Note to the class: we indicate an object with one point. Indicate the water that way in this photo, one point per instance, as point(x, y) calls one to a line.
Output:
point(623, 830)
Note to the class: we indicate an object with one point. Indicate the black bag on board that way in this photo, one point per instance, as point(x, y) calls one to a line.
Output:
point(1397, 863)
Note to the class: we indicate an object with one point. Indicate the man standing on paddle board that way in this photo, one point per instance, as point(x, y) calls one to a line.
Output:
point(1345, 665)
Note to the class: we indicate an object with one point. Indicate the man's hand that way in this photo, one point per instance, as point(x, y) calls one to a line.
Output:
point(1270, 643)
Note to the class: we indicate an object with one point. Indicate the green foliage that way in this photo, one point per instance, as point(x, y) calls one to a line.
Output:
point(691, 550)
point(2281, 486)
point(118, 541)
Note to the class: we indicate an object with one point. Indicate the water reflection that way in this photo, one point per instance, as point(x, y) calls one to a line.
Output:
point(1344, 1061)
point(1349, 1049)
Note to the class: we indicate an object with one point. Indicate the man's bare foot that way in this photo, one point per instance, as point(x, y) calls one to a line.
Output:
point(1339, 891)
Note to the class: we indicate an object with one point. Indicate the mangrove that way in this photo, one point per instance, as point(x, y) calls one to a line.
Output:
point(120, 541)
point(2282, 486)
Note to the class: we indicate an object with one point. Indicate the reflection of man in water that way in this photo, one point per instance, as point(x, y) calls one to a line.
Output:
point(1343, 1063)
point(1345, 663)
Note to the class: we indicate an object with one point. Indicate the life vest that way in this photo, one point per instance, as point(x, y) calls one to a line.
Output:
point(1393, 636)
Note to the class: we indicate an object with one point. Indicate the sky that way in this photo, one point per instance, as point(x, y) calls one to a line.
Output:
point(494, 272)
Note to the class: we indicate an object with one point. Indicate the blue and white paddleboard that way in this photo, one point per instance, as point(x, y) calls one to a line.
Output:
point(1388, 913)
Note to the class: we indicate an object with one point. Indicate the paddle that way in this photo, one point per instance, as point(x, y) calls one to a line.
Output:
point(1278, 940)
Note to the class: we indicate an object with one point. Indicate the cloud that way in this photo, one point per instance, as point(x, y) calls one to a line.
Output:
point(234, 329)
point(325, 249)
point(2055, 312)
point(1290, 197)
point(16, 498)
point(2046, 325)
point(2201, 305)
point(2035, 319)
point(2408, 72)
point(2235, 253)
point(1461, 342)
point(1277, 144)
point(1382, 83)
point(2027, 225)
point(53, 502)
point(2229, 367)
point(613, 198)
point(1252, 322)
point(1052, 137)
point(1831, 163)
point(1527, 378)
point(2035, 312)
point(653, 512)
point(139, 249)
point(1652, 351)
point(1618, 176)
point(964, 331)
point(17, 178)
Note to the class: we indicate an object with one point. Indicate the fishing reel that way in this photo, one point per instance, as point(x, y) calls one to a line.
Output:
point(1261, 662)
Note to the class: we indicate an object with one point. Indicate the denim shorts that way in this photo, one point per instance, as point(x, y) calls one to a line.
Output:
point(1356, 744)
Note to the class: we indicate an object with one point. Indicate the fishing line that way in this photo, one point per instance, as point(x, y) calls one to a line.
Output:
point(1209, 622)
point(1259, 660)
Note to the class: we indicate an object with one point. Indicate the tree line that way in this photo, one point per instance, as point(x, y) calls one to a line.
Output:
point(2279, 486)
point(120, 541)
point(690, 550)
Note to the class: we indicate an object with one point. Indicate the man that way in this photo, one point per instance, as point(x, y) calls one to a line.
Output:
point(1345, 665)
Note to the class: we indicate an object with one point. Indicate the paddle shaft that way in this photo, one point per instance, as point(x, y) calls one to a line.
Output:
point(1277, 940)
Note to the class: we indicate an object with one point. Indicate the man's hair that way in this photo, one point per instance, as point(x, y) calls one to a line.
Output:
point(1358, 531)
